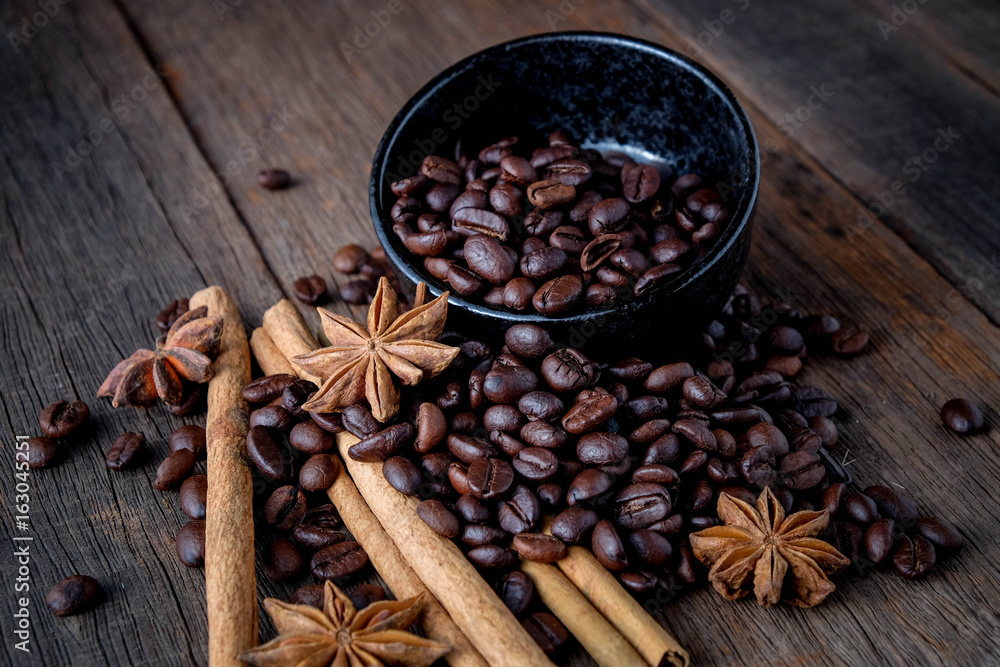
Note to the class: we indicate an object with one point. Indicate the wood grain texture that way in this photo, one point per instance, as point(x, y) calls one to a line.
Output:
point(88, 259)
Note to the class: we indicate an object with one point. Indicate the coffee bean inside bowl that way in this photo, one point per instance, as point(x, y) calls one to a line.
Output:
point(554, 228)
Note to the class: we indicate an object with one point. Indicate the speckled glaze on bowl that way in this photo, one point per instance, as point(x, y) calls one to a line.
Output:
point(607, 92)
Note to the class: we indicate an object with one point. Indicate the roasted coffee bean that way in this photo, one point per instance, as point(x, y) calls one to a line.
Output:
point(639, 583)
point(382, 445)
point(311, 595)
point(190, 436)
point(536, 463)
point(273, 417)
point(834, 497)
point(542, 223)
point(124, 451)
point(503, 418)
point(318, 528)
point(193, 402)
point(472, 509)
point(861, 508)
point(811, 402)
point(786, 340)
point(961, 416)
point(550, 494)
point(639, 182)
point(543, 434)
point(914, 557)
point(697, 433)
point(495, 153)
point(650, 547)
point(282, 560)
point(757, 467)
point(544, 263)
point(468, 448)
point(518, 292)
point(804, 440)
point(479, 221)
point(940, 533)
point(477, 535)
point(359, 422)
point(644, 408)
point(558, 295)
point(507, 384)
point(319, 472)
point(640, 505)
point(517, 591)
point(174, 469)
point(338, 560)
point(458, 477)
point(825, 429)
point(587, 485)
point(520, 512)
point(171, 313)
point(569, 239)
point(356, 292)
point(608, 216)
point(310, 289)
point(648, 432)
point(893, 504)
point(492, 557)
point(295, 395)
point(702, 392)
point(721, 472)
point(569, 171)
point(589, 415)
point(599, 250)
point(801, 470)
point(546, 630)
point(440, 519)
point(464, 281)
point(308, 437)
point(695, 461)
point(431, 427)
point(506, 199)
point(267, 449)
point(60, 419)
point(549, 194)
point(880, 538)
point(529, 341)
point(490, 477)
point(190, 543)
point(741, 417)
point(348, 257)
point(488, 259)
point(519, 170)
point(267, 388)
point(629, 261)
point(43, 451)
point(656, 473)
point(73, 595)
point(539, 547)
point(441, 169)
point(601, 448)
point(669, 377)
point(273, 179)
point(402, 475)
point(607, 546)
point(366, 594)
point(540, 406)
point(285, 507)
point(664, 449)
point(849, 341)
point(428, 244)
point(568, 370)
point(194, 492)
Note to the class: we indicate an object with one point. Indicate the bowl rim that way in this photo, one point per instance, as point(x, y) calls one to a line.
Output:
point(730, 236)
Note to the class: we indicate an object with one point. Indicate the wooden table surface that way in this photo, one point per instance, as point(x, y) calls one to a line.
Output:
point(131, 133)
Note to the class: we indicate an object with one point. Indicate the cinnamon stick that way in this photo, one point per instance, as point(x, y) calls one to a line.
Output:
point(444, 569)
point(604, 644)
point(400, 577)
point(290, 334)
point(230, 582)
point(268, 356)
point(654, 644)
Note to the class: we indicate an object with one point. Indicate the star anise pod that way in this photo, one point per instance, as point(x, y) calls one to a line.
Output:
point(779, 556)
point(184, 353)
point(339, 635)
point(361, 361)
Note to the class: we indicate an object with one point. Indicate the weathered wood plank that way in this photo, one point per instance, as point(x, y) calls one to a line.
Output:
point(930, 342)
point(93, 244)
point(875, 112)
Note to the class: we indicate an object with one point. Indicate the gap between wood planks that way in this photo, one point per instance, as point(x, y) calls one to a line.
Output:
point(670, 32)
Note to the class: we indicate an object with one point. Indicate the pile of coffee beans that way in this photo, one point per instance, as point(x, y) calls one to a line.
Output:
point(293, 455)
point(368, 267)
point(630, 457)
point(553, 228)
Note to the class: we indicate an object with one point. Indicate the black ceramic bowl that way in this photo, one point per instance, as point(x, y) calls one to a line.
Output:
point(607, 92)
